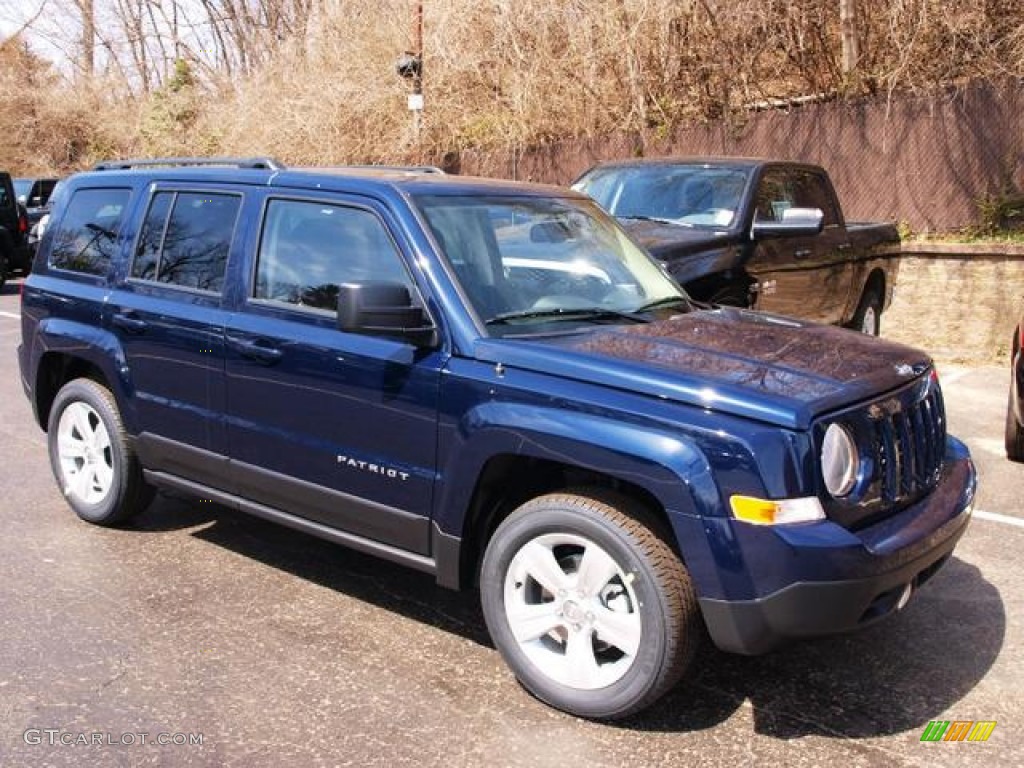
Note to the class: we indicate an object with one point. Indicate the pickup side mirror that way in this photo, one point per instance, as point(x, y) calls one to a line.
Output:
point(796, 222)
point(383, 309)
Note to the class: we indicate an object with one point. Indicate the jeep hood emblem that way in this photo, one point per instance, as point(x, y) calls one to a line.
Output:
point(903, 369)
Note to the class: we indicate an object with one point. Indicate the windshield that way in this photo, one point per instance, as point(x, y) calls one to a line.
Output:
point(525, 261)
point(694, 195)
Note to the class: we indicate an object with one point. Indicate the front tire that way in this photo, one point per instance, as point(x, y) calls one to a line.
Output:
point(591, 609)
point(731, 295)
point(92, 457)
point(1014, 432)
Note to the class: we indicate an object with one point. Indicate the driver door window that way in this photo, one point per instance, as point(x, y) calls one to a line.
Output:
point(309, 249)
point(781, 190)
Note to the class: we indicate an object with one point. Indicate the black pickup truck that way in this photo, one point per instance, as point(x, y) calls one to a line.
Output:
point(754, 233)
point(13, 230)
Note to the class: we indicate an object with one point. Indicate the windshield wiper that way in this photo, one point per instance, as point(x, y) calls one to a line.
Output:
point(673, 222)
point(668, 301)
point(563, 313)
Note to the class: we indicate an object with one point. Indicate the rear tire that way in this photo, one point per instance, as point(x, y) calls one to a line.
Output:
point(92, 457)
point(592, 610)
point(868, 317)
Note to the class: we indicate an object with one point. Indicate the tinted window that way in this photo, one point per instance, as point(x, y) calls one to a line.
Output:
point(308, 249)
point(186, 238)
point(86, 238)
point(147, 252)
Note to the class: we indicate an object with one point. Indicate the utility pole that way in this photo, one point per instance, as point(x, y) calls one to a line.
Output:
point(848, 33)
point(410, 67)
point(416, 100)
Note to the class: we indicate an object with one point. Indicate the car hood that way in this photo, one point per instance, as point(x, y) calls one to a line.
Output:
point(662, 239)
point(749, 364)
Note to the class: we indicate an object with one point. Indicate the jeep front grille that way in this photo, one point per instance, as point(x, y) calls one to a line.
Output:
point(902, 443)
point(909, 445)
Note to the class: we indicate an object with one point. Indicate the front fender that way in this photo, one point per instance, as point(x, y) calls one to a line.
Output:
point(666, 465)
point(692, 267)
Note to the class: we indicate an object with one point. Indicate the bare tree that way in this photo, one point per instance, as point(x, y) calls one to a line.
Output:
point(87, 64)
point(848, 33)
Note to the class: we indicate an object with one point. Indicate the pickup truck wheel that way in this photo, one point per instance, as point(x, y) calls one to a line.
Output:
point(868, 317)
point(1014, 433)
point(92, 457)
point(594, 613)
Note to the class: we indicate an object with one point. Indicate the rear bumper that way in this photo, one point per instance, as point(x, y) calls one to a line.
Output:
point(23, 373)
point(842, 581)
point(21, 258)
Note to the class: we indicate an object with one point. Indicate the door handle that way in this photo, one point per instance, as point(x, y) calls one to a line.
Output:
point(802, 253)
point(257, 349)
point(844, 246)
point(129, 321)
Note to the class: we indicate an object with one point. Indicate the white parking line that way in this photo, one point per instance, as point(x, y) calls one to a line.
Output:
point(12, 315)
point(951, 375)
point(994, 517)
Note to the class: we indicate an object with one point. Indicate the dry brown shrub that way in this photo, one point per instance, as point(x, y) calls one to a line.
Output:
point(313, 81)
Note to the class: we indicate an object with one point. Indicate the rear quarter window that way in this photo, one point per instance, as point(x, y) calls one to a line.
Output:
point(85, 239)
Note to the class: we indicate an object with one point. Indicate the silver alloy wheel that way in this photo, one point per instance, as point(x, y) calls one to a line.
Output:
point(869, 324)
point(573, 611)
point(86, 457)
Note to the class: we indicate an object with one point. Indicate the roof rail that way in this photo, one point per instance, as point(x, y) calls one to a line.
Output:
point(391, 168)
point(261, 163)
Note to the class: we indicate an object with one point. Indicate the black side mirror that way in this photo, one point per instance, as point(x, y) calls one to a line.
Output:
point(383, 309)
point(796, 222)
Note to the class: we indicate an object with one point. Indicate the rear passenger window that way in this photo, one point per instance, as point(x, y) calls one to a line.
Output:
point(86, 237)
point(185, 239)
point(309, 249)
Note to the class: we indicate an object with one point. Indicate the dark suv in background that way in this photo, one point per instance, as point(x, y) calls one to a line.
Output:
point(491, 383)
point(34, 194)
point(14, 227)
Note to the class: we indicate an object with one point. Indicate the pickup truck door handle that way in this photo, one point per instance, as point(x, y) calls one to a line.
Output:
point(844, 246)
point(802, 253)
point(256, 349)
point(129, 321)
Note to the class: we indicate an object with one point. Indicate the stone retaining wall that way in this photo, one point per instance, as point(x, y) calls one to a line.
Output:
point(958, 302)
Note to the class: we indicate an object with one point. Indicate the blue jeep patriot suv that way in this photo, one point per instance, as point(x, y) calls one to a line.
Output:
point(489, 382)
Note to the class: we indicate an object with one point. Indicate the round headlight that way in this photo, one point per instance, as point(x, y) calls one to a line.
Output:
point(839, 461)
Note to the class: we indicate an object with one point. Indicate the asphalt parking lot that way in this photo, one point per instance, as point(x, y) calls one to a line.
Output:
point(199, 624)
